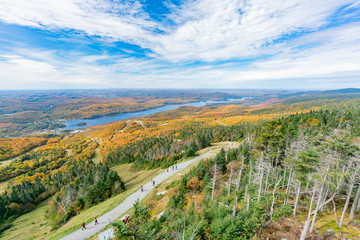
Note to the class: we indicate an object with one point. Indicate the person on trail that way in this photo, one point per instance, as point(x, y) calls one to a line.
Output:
point(176, 167)
point(127, 219)
point(83, 226)
point(151, 179)
point(167, 169)
point(141, 188)
point(172, 168)
point(153, 182)
point(96, 222)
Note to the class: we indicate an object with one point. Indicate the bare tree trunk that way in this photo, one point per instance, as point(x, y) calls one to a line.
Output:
point(248, 203)
point(234, 208)
point(230, 178)
point(347, 201)
point(327, 201)
point(62, 206)
point(239, 175)
point(193, 235)
point(196, 195)
point(288, 186)
point(335, 213)
point(289, 181)
point(307, 222)
point(297, 199)
point(284, 177)
point(267, 180)
point(214, 182)
point(273, 198)
point(358, 206)
point(246, 192)
point(250, 174)
point(261, 182)
point(247, 198)
point(353, 207)
point(319, 201)
point(324, 197)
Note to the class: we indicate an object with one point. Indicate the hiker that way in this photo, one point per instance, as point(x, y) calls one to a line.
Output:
point(141, 188)
point(172, 168)
point(83, 226)
point(176, 167)
point(96, 222)
point(153, 182)
point(124, 220)
point(127, 219)
point(151, 179)
point(167, 169)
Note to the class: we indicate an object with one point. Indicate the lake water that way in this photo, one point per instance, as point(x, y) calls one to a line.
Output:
point(71, 125)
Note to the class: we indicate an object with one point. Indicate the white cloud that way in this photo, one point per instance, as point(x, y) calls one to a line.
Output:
point(205, 30)
point(215, 30)
point(119, 21)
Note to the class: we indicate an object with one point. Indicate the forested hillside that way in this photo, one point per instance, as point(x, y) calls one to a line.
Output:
point(298, 159)
point(303, 166)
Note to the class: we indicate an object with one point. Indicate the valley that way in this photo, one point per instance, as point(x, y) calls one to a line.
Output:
point(52, 183)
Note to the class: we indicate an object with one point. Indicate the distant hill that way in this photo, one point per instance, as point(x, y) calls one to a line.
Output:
point(344, 90)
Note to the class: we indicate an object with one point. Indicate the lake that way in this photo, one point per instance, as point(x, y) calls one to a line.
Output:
point(82, 123)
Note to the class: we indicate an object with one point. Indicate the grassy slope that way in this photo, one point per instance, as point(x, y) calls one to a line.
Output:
point(3, 186)
point(34, 225)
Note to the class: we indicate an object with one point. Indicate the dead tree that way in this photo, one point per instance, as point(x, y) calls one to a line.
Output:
point(288, 186)
point(273, 198)
point(308, 220)
point(261, 178)
point(355, 202)
point(238, 180)
point(319, 201)
point(230, 178)
point(234, 208)
point(214, 182)
point(297, 198)
point(351, 187)
point(62, 204)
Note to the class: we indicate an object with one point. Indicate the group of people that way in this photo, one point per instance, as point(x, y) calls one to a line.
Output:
point(173, 167)
point(127, 218)
point(151, 180)
point(83, 226)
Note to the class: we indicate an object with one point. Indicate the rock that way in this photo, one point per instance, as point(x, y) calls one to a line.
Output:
point(161, 193)
point(284, 239)
point(162, 213)
point(330, 231)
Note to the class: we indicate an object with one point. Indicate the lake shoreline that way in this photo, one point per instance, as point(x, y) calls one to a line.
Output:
point(113, 117)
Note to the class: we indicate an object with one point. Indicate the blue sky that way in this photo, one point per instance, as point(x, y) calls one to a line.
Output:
point(293, 44)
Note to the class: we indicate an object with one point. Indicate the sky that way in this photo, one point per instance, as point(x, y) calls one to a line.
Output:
point(260, 44)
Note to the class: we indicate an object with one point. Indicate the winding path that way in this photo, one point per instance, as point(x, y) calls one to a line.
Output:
point(128, 202)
